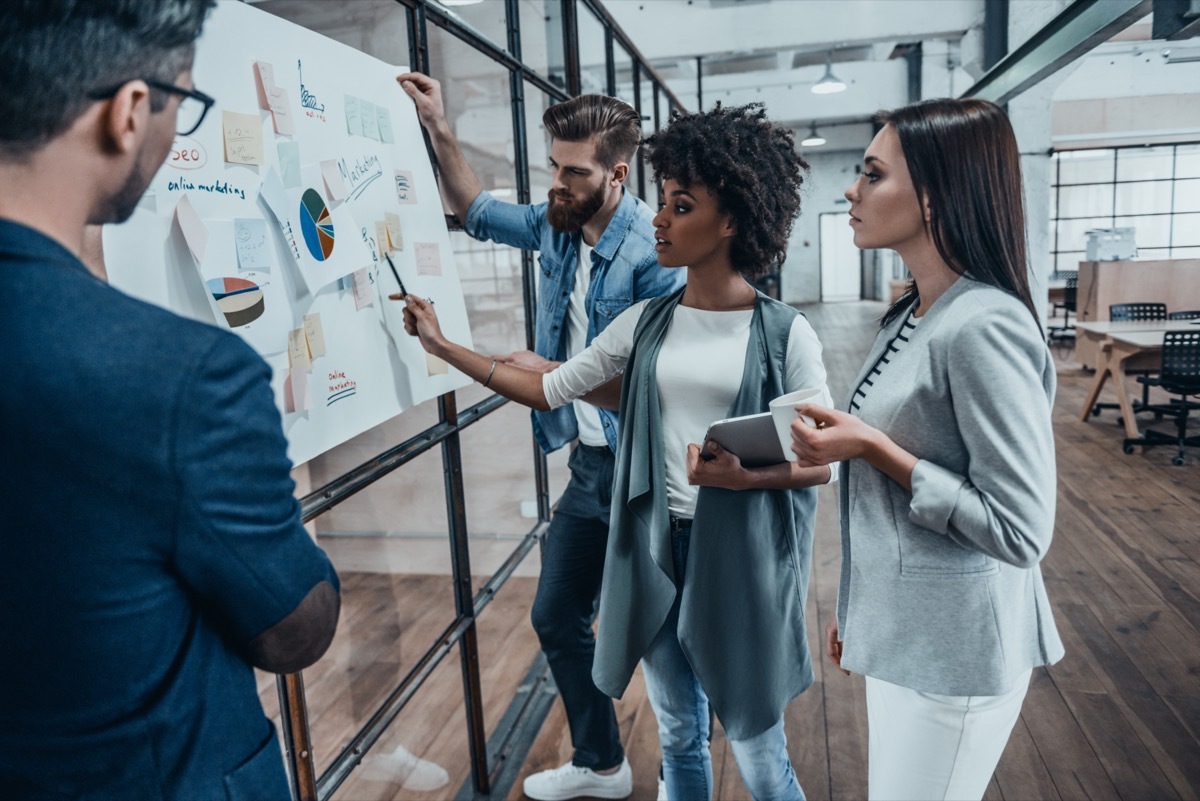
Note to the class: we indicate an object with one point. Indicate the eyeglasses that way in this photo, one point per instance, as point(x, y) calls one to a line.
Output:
point(192, 109)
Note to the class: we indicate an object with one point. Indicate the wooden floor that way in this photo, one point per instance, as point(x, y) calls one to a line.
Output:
point(1119, 717)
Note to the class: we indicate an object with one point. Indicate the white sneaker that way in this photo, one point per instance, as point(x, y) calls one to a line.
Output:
point(572, 781)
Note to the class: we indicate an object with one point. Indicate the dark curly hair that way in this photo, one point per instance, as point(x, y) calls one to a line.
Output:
point(749, 164)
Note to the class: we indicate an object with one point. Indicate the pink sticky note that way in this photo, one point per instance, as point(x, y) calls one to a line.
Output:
point(264, 81)
point(334, 185)
point(281, 110)
point(295, 391)
point(405, 192)
point(364, 293)
point(195, 232)
point(429, 258)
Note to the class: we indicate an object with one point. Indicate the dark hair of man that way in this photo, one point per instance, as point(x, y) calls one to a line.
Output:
point(613, 125)
point(963, 158)
point(751, 167)
point(53, 52)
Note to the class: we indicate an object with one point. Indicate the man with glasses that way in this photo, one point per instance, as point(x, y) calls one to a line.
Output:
point(152, 547)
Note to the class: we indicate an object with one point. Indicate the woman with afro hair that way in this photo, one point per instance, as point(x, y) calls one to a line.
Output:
point(707, 566)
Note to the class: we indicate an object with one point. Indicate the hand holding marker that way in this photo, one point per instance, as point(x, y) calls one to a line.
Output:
point(403, 293)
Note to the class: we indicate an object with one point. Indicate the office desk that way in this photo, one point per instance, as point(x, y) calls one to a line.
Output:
point(1126, 347)
point(1175, 282)
point(1091, 338)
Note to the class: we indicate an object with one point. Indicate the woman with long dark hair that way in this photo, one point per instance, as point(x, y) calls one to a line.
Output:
point(707, 565)
point(948, 480)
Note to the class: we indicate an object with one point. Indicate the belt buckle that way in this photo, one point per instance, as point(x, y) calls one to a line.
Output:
point(679, 523)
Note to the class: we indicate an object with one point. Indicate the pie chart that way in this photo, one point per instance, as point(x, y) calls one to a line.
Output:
point(241, 301)
point(316, 224)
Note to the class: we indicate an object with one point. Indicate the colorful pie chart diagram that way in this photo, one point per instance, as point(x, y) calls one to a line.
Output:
point(241, 301)
point(316, 223)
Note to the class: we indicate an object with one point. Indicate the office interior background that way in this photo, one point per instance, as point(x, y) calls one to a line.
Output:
point(435, 688)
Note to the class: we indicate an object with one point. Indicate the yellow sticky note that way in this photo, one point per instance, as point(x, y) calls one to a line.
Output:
point(381, 237)
point(315, 334)
point(243, 138)
point(395, 235)
point(298, 354)
point(435, 366)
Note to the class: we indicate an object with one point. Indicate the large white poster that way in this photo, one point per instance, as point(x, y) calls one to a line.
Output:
point(277, 217)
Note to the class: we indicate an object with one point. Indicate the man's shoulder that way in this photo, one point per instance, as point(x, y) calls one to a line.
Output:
point(128, 328)
point(637, 245)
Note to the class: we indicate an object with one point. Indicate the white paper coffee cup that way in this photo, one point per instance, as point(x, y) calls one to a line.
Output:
point(783, 412)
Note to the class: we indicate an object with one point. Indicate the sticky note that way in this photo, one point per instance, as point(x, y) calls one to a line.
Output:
point(429, 258)
point(384, 120)
point(250, 239)
point(370, 122)
point(334, 185)
point(243, 138)
point(395, 235)
point(364, 293)
point(195, 232)
point(264, 80)
point(354, 125)
point(295, 391)
point(405, 192)
point(381, 237)
point(281, 110)
point(289, 163)
point(298, 355)
point(435, 366)
point(315, 334)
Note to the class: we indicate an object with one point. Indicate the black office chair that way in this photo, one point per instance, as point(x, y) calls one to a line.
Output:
point(1068, 306)
point(1179, 375)
point(1191, 314)
point(1135, 312)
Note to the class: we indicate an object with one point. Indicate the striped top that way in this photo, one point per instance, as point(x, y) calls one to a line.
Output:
point(898, 342)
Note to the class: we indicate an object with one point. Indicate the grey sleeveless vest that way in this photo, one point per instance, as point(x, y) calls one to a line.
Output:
point(741, 622)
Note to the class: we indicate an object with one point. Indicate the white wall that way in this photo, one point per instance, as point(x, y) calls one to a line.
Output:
point(1126, 93)
point(679, 28)
point(871, 85)
point(832, 172)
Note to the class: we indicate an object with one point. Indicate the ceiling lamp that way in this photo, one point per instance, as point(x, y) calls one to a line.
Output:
point(460, 2)
point(813, 139)
point(829, 83)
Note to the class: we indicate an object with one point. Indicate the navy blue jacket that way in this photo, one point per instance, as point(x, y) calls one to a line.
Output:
point(148, 533)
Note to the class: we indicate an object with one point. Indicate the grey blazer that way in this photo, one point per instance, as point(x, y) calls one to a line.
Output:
point(940, 588)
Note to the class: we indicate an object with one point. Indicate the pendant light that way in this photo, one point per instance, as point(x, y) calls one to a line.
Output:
point(813, 139)
point(829, 83)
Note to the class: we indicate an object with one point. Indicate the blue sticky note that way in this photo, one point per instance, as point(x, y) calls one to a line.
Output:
point(289, 164)
point(354, 120)
point(385, 125)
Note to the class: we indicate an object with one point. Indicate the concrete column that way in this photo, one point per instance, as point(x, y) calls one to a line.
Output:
point(1032, 120)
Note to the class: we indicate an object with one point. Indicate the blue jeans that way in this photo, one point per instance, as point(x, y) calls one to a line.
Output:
point(681, 708)
point(572, 570)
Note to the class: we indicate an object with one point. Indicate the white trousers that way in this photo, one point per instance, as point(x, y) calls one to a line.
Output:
point(929, 747)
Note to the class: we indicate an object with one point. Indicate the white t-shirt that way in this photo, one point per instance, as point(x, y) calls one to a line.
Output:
point(591, 431)
point(699, 371)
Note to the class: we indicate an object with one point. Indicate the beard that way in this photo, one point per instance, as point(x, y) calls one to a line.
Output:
point(122, 204)
point(570, 216)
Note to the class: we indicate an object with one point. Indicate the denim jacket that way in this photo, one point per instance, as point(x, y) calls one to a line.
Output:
point(624, 270)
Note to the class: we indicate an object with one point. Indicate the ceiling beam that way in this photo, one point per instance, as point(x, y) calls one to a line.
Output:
point(1176, 19)
point(1080, 27)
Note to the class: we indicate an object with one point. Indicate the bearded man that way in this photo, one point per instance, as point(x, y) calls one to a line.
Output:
point(597, 257)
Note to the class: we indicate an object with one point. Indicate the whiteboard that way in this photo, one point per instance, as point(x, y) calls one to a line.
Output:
point(271, 220)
